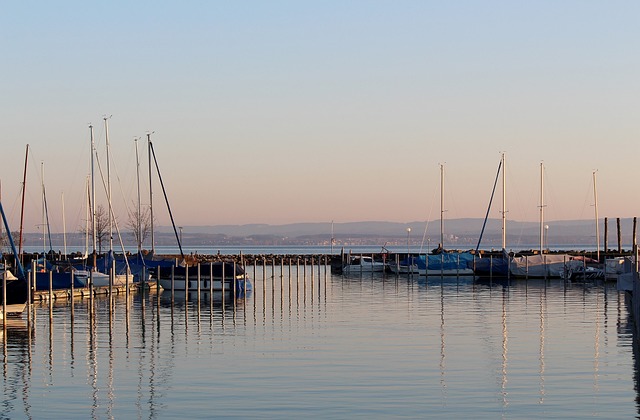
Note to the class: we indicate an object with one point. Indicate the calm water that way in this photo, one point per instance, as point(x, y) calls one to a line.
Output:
point(306, 343)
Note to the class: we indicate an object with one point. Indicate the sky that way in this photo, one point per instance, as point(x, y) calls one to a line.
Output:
point(286, 111)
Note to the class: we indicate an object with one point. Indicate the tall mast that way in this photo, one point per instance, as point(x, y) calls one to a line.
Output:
point(153, 243)
point(139, 215)
point(106, 135)
point(24, 188)
point(64, 229)
point(595, 198)
point(504, 206)
point(44, 222)
point(88, 217)
point(93, 199)
point(541, 206)
point(442, 206)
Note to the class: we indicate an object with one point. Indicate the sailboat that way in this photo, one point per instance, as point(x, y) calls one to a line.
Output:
point(543, 264)
point(444, 263)
point(495, 265)
point(17, 289)
point(98, 273)
point(218, 276)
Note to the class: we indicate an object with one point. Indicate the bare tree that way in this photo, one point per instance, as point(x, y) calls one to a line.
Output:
point(4, 239)
point(140, 225)
point(102, 226)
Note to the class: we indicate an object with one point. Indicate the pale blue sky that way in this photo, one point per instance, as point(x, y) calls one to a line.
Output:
point(288, 111)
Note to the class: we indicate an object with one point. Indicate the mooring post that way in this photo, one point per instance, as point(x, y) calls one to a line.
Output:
point(312, 279)
point(235, 287)
point(30, 282)
point(223, 279)
point(264, 277)
point(4, 298)
point(50, 290)
point(173, 281)
point(619, 236)
point(211, 278)
point(304, 277)
point(289, 277)
point(186, 283)
point(211, 287)
point(198, 287)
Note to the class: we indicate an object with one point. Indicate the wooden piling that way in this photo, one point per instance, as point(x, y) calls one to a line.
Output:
point(619, 236)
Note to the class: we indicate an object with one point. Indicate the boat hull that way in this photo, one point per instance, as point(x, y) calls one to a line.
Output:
point(101, 280)
point(209, 276)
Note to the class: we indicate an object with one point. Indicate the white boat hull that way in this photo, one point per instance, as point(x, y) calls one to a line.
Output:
point(101, 279)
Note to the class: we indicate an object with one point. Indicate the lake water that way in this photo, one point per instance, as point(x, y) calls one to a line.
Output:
point(306, 343)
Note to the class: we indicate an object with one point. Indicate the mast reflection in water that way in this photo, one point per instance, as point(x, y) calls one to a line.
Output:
point(306, 341)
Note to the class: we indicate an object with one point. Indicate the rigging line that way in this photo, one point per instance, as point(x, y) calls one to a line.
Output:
point(424, 234)
point(484, 224)
point(113, 218)
point(588, 196)
point(153, 152)
point(46, 215)
point(517, 203)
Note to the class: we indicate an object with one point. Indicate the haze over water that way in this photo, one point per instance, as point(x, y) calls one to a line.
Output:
point(309, 343)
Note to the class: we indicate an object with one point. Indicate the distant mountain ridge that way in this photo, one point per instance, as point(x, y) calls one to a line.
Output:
point(459, 234)
point(465, 230)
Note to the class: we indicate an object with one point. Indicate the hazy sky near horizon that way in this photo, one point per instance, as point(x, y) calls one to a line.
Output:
point(285, 111)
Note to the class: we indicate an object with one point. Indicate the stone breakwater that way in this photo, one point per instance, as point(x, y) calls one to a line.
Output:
point(251, 259)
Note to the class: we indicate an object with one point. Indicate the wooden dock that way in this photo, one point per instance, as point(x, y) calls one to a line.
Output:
point(85, 292)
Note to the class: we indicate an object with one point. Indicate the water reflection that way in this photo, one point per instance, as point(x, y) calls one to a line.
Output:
point(439, 345)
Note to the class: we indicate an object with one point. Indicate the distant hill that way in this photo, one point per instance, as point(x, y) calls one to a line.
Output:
point(459, 233)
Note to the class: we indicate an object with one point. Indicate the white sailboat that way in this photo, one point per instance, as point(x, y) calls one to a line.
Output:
point(445, 264)
point(543, 264)
point(96, 277)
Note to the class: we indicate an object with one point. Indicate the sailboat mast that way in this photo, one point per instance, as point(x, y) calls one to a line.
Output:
point(504, 206)
point(106, 134)
point(442, 206)
point(44, 224)
point(138, 218)
point(86, 223)
point(64, 229)
point(541, 206)
point(595, 198)
point(153, 242)
point(93, 200)
point(24, 188)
